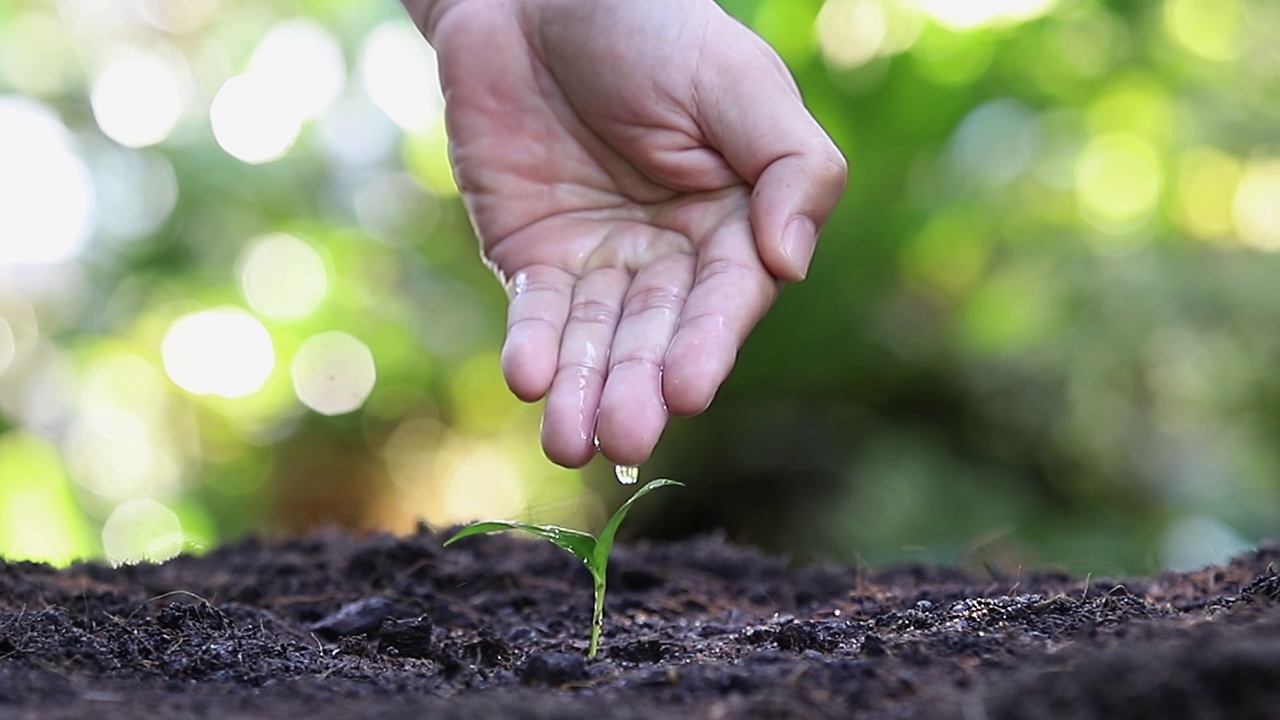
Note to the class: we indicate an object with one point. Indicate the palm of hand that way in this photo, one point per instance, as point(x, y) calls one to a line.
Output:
point(625, 240)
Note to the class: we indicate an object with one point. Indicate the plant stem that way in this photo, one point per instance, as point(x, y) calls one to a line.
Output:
point(597, 615)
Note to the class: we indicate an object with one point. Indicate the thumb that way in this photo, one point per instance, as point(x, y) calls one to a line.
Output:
point(754, 116)
point(792, 199)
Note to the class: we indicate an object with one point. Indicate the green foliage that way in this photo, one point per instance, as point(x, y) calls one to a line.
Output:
point(592, 551)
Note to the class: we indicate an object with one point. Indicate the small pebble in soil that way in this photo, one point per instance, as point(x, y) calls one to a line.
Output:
point(521, 635)
point(356, 618)
point(800, 636)
point(407, 638)
point(873, 646)
point(488, 650)
point(552, 669)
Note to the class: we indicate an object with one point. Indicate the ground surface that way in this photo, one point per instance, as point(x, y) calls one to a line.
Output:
point(495, 628)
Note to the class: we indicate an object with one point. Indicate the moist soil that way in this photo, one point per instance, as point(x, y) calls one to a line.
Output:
point(496, 627)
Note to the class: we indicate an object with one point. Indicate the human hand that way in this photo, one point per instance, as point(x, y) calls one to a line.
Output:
point(642, 177)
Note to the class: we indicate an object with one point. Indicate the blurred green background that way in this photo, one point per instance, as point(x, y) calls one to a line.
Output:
point(238, 292)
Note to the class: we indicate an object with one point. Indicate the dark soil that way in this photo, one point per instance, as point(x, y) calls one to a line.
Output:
point(332, 627)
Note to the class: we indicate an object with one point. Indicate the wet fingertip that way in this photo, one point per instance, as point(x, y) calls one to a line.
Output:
point(633, 456)
point(683, 399)
point(526, 389)
point(624, 443)
point(572, 455)
point(527, 379)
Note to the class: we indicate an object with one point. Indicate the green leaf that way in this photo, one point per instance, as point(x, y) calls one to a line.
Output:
point(605, 542)
point(580, 544)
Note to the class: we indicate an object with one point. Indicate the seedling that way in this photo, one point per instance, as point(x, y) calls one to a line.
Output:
point(592, 551)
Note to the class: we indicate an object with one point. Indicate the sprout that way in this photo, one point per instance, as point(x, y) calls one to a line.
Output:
point(593, 552)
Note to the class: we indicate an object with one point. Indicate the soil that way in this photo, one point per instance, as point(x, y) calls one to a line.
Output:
point(495, 627)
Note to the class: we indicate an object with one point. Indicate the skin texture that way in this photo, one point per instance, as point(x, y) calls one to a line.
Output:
point(643, 178)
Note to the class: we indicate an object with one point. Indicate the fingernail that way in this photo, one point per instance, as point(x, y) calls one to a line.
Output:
point(798, 242)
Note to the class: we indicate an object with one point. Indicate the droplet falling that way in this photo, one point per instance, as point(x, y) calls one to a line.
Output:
point(627, 474)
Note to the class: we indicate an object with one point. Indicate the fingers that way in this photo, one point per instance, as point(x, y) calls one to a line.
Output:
point(569, 420)
point(539, 309)
point(731, 293)
point(753, 115)
point(616, 356)
point(633, 411)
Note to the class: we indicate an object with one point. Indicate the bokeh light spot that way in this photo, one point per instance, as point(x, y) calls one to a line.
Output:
point(333, 373)
point(39, 519)
point(479, 481)
point(136, 192)
point(996, 141)
point(295, 74)
point(1009, 312)
point(46, 192)
point(410, 450)
point(1256, 208)
point(398, 70)
point(1118, 183)
point(1208, 28)
point(480, 400)
point(973, 14)
point(38, 391)
point(1207, 183)
point(952, 58)
point(141, 530)
point(397, 208)
point(355, 133)
point(304, 64)
point(8, 346)
point(1199, 541)
point(1139, 105)
point(282, 277)
point(224, 351)
point(28, 35)
point(120, 446)
point(177, 17)
point(950, 253)
point(137, 100)
point(850, 31)
point(252, 121)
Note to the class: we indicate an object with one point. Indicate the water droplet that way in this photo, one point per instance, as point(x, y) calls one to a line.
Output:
point(627, 474)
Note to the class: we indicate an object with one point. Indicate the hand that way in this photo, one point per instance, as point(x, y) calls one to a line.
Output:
point(642, 177)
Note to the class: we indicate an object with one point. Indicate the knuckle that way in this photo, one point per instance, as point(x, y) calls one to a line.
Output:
point(724, 267)
point(655, 299)
point(832, 168)
point(594, 312)
point(525, 283)
point(531, 324)
point(646, 364)
point(752, 281)
point(583, 371)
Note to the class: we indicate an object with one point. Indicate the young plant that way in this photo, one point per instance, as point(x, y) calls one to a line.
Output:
point(592, 551)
